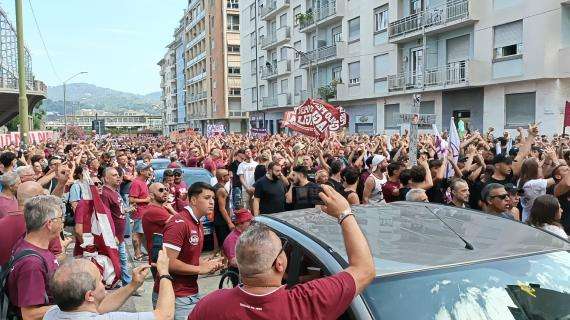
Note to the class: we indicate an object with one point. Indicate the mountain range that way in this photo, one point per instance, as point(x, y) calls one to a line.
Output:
point(89, 96)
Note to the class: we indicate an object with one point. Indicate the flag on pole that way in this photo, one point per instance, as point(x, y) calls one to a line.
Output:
point(454, 143)
point(99, 240)
point(440, 145)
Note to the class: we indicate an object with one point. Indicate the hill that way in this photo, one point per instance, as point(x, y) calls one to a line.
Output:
point(84, 95)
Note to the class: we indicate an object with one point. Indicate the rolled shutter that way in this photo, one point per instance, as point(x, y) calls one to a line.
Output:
point(508, 34)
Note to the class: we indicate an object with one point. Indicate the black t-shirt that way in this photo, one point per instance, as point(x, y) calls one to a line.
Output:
point(235, 179)
point(337, 186)
point(508, 179)
point(260, 171)
point(565, 205)
point(475, 194)
point(403, 192)
point(436, 194)
point(298, 205)
point(218, 218)
point(271, 194)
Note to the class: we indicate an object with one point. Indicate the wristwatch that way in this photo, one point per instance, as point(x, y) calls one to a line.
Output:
point(166, 276)
point(346, 213)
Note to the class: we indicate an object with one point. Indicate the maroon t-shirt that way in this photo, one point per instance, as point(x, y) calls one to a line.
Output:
point(153, 221)
point(28, 281)
point(185, 234)
point(114, 202)
point(325, 298)
point(192, 162)
point(83, 209)
point(13, 228)
point(179, 189)
point(388, 190)
point(139, 190)
point(7, 205)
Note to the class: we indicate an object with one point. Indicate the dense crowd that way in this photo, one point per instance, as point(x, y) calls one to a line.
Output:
point(47, 200)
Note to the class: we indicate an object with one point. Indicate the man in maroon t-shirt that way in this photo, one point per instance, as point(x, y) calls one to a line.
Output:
point(391, 189)
point(183, 240)
point(262, 261)
point(180, 191)
point(155, 215)
point(139, 197)
point(28, 282)
point(114, 202)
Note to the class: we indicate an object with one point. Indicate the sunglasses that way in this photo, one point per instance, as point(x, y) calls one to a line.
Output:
point(501, 196)
point(177, 174)
point(284, 244)
point(98, 183)
point(161, 189)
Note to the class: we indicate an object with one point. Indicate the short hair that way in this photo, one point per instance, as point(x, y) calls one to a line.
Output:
point(70, 282)
point(350, 175)
point(336, 166)
point(544, 210)
point(456, 182)
point(393, 167)
point(6, 158)
point(414, 195)
point(405, 176)
point(255, 250)
point(9, 179)
point(197, 187)
point(21, 171)
point(272, 164)
point(418, 174)
point(39, 209)
point(486, 192)
point(240, 151)
point(436, 163)
point(35, 158)
point(302, 170)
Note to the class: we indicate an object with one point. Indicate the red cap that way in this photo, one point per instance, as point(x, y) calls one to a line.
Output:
point(243, 215)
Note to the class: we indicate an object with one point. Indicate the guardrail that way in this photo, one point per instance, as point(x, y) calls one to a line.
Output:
point(450, 74)
point(321, 53)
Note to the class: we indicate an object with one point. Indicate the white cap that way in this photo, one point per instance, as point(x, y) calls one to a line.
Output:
point(376, 160)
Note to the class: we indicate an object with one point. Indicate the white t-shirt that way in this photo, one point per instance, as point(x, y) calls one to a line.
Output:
point(56, 314)
point(248, 171)
point(556, 230)
point(532, 189)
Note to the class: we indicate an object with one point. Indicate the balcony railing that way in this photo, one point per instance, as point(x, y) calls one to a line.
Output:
point(196, 59)
point(197, 78)
point(234, 82)
point(269, 102)
point(458, 9)
point(271, 6)
point(196, 19)
point(274, 38)
point(268, 70)
point(197, 96)
point(325, 10)
point(300, 97)
point(319, 54)
point(196, 39)
point(451, 74)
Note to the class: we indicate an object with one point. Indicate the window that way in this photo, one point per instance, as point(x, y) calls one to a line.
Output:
point(253, 67)
point(354, 73)
point(283, 53)
point(297, 45)
point(252, 11)
point(296, 12)
point(252, 37)
point(336, 34)
point(235, 91)
point(381, 66)
point(427, 107)
point(381, 19)
point(354, 29)
point(458, 49)
point(336, 73)
point(520, 109)
point(233, 70)
point(283, 20)
point(391, 112)
point(232, 4)
point(233, 22)
point(285, 86)
point(233, 48)
point(253, 94)
point(297, 85)
point(262, 90)
point(508, 40)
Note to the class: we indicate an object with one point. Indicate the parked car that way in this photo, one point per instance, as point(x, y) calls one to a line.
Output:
point(190, 176)
point(158, 164)
point(425, 270)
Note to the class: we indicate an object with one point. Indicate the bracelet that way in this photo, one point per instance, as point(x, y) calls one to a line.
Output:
point(343, 218)
point(166, 276)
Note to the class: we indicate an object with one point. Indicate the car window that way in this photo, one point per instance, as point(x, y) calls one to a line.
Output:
point(532, 287)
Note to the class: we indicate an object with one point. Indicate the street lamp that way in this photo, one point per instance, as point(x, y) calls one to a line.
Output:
point(304, 54)
point(64, 98)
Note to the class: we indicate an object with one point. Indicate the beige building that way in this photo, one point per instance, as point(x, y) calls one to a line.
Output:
point(492, 63)
point(207, 67)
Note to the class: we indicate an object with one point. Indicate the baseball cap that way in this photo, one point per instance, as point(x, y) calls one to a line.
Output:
point(501, 158)
point(243, 215)
point(376, 160)
point(177, 171)
point(142, 166)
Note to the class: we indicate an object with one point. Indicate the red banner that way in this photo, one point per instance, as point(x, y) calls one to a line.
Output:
point(316, 118)
point(567, 114)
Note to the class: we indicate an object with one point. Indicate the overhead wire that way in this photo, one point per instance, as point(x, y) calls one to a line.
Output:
point(43, 42)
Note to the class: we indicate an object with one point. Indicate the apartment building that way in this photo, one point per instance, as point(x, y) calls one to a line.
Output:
point(168, 85)
point(206, 50)
point(492, 63)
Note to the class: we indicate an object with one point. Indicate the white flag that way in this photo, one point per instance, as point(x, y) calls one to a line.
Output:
point(454, 143)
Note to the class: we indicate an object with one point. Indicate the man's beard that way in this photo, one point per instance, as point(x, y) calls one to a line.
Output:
point(274, 177)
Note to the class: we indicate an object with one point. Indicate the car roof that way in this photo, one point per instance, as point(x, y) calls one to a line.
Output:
point(190, 175)
point(408, 237)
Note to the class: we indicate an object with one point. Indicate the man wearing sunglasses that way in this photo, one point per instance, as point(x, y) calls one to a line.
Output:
point(180, 191)
point(496, 200)
point(262, 260)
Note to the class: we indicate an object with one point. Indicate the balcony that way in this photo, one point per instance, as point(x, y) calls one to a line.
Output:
point(272, 40)
point(269, 102)
point(268, 71)
point(196, 39)
point(271, 8)
point(452, 15)
point(197, 78)
point(196, 19)
point(196, 59)
point(284, 67)
point(300, 97)
point(197, 96)
point(322, 55)
point(234, 82)
point(283, 99)
point(451, 75)
point(328, 11)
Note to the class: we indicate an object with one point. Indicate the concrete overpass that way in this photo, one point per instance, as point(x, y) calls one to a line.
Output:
point(36, 90)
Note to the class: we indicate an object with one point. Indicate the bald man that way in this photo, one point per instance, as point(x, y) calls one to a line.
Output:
point(157, 213)
point(80, 294)
point(222, 212)
point(13, 225)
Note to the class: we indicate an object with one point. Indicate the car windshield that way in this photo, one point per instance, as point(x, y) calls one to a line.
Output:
point(531, 287)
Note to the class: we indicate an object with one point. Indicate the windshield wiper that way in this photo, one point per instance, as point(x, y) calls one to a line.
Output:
point(468, 245)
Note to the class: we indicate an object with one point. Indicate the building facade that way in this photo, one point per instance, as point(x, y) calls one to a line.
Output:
point(492, 63)
point(128, 121)
point(207, 68)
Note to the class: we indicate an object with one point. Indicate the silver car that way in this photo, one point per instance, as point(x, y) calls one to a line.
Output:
point(436, 262)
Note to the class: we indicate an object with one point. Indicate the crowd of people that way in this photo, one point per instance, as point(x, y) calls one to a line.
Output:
point(46, 201)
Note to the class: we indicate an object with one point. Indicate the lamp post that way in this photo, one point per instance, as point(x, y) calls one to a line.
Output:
point(64, 99)
point(304, 54)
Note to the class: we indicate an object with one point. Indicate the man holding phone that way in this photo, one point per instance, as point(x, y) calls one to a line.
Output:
point(303, 193)
point(183, 240)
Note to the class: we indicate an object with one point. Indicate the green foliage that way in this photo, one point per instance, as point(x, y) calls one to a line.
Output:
point(328, 92)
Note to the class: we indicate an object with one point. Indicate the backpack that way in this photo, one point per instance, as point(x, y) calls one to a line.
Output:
point(69, 218)
point(7, 310)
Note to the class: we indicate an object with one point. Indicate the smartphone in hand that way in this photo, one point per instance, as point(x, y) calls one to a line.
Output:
point(157, 240)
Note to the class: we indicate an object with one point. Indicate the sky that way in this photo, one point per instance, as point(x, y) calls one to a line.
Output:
point(118, 42)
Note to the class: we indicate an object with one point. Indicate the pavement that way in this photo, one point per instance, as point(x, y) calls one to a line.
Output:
point(206, 284)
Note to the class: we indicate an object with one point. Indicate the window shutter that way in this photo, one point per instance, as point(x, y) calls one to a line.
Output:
point(458, 49)
point(381, 66)
point(354, 70)
point(508, 34)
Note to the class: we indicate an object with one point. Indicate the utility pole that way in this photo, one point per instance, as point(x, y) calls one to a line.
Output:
point(23, 99)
